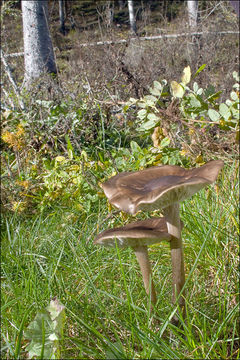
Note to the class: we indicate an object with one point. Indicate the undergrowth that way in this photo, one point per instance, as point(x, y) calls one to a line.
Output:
point(107, 311)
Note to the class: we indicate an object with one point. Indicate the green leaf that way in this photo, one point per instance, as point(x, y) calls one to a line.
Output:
point(45, 331)
point(150, 100)
point(132, 101)
point(186, 77)
point(165, 142)
point(195, 87)
point(135, 147)
point(142, 104)
point(194, 102)
point(147, 125)
point(177, 89)
point(224, 111)
point(236, 76)
point(214, 115)
point(229, 102)
point(157, 85)
point(202, 67)
point(214, 96)
point(153, 117)
point(155, 91)
point(142, 114)
point(234, 96)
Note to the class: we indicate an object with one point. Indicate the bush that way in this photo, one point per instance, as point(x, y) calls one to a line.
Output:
point(55, 154)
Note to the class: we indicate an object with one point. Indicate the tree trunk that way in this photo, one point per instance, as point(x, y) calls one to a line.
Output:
point(235, 5)
point(62, 17)
point(38, 49)
point(109, 13)
point(132, 17)
point(120, 3)
point(193, 13)
point(195, 45)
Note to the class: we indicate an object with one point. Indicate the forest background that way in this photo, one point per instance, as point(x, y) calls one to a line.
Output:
point(113, 107)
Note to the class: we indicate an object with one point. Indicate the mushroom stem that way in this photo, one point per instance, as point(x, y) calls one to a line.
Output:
point(174, 228)
point(141, 253)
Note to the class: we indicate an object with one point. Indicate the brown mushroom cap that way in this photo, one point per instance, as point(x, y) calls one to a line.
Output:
point(139, 233)
point(158, 187)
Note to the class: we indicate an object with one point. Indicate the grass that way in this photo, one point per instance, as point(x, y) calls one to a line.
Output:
point(107, 309)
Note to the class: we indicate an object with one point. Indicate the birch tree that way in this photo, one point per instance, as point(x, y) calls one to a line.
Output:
point(192, 6)
point(38, 49)
point(235, 5)
point(132, 17)
point(61, 16)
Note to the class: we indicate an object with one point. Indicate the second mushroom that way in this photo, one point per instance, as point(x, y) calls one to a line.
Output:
point(138, 235)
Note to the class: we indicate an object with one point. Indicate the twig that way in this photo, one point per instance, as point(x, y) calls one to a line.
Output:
point(9, 73)
point(8, 97)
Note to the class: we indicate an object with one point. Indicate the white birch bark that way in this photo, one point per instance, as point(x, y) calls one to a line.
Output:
point(132, 17)
point(61, 16)
point(192, 6)
point(38, 49)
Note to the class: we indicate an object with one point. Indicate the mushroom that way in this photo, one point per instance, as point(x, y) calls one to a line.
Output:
point(162, 187)
point(138, 235)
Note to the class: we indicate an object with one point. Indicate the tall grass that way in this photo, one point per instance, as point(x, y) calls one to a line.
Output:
point(107, 310)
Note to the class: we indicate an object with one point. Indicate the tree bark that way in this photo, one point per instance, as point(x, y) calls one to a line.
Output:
point(192, 6)
point(62, 17)
point(38, 49)
point(109, 13)
point(120, 3)
point(132, 17)
point(235, 5)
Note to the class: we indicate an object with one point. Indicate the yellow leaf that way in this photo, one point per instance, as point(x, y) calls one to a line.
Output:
point(60, 158)
point(186, 77)
point(199, 159)
point(177, 89)
point(23, 183)
point(110, 208)
point(183, 152)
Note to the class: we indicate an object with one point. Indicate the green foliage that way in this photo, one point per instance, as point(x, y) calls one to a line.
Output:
point(8, 8)
point(198, 109)
point(202, 104)
point(107, 310)
point(44, 165)
point(56, 154)
point(46, 331)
